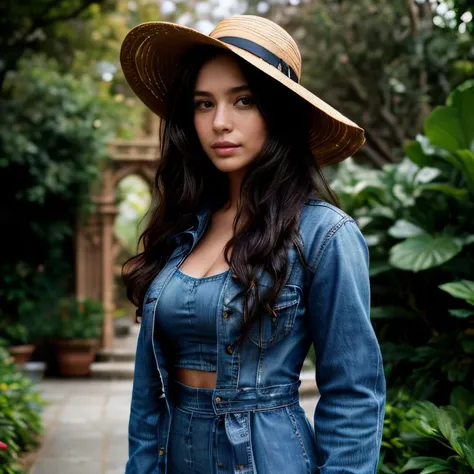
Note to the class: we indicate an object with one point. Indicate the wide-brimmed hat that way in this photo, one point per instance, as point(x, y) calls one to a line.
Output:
point(151, 51)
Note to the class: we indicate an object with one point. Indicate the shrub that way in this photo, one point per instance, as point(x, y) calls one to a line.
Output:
point(417, 218)
point(20, 414)
point(79, 319)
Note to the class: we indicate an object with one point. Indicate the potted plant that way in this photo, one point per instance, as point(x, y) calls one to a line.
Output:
point(17, 339)
point(77, 335)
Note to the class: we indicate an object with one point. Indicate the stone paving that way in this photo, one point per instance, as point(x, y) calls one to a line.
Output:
point(86, 426)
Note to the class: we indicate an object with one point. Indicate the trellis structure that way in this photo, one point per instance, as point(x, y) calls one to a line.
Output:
point(96, 245)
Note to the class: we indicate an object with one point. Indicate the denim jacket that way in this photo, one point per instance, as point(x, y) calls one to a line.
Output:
point(325, 303)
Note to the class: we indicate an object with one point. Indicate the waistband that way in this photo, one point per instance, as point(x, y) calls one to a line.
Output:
point(235, 407)
point(194, 398)
point(222, 401)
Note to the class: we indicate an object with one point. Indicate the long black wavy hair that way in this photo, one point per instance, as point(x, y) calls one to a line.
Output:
point(277, 184)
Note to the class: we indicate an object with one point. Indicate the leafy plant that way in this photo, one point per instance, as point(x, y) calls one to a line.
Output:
point(53, 144)
point(447, 431)
point(20, 414)
point(416, 216)
point(14, 333)
point(79, 319)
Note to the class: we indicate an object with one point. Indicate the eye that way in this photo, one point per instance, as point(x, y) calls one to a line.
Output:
point(202, 104)
point(245, 101)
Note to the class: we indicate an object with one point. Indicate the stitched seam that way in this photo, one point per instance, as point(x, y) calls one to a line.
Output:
point(299, 437)
point(378, 408)
point(327, 206)
point(331, 232)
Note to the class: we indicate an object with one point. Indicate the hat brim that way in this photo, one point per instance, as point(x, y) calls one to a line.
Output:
point(151, 51)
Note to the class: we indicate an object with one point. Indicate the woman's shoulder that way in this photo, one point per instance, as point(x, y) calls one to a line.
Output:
point(320, 216)
point(320, 222)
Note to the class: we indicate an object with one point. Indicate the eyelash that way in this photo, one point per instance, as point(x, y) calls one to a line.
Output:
point(198, 104)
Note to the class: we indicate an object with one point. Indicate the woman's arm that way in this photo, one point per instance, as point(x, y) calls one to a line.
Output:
point(348, 418)
point(147, 408)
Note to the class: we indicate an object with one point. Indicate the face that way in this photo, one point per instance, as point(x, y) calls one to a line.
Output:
point(228, 123)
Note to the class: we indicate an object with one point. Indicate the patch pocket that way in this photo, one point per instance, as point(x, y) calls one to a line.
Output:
point(273, 327)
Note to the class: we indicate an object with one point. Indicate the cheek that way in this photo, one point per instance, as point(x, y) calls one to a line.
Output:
point(258, 131)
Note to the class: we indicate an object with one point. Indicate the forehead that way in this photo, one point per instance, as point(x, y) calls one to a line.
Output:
point(221, 72)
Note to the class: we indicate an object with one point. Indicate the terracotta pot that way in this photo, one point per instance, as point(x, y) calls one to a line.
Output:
point(22, 354)
point(75, 356)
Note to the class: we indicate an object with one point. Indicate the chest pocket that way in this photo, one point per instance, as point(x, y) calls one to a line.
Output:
point(273, 327)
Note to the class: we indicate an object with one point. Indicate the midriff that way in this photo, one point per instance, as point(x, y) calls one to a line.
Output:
point(196, 378)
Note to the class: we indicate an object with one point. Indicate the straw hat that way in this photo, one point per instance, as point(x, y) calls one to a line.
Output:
point(151, 51)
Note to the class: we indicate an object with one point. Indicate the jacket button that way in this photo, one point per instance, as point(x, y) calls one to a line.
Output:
point(162, 451)
point(225, 314)
point(218, 399)
point(229, 349)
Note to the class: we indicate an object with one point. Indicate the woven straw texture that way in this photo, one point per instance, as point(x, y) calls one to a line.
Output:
point(151, 51)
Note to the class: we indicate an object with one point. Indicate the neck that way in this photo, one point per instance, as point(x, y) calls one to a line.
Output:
point(235, 182)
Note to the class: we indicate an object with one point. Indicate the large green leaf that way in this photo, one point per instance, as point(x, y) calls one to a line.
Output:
point(414, 151)
point(445, 130)
point(470, 433)
point(423, 252)
point(461, 194)
point(427, 174)
point(461, 313)
point(452, 127)
point(468, 450)
point(465, 158)
point(449, 423)
point(462, 98)
point(463, 289)
point(428, 464)
point(403, 229)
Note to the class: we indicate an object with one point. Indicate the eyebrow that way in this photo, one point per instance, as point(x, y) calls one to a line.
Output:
point(232, 90)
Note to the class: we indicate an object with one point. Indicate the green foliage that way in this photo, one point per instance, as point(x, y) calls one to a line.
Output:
point(384, 63)
point(13, 333)
point(417, 219)
point(20, 414)
point(53, 140)
point(79, 319)
point(27, 25)
point(447, 431)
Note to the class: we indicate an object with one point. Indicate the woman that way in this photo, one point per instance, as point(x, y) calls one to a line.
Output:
point(246, 263)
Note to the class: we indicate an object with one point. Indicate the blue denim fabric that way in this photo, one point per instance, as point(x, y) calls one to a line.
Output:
point(199, 444)
point(186, 319)
point(325, 304)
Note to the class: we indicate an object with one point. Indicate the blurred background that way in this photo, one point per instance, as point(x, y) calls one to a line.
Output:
point(77, 160)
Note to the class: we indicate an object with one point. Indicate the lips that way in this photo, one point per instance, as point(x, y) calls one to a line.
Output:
point(225, 148)
point(224, 144)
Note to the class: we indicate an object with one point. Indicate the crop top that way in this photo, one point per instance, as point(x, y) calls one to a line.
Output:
point(186, 320)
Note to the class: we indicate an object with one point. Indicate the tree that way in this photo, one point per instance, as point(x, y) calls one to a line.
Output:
point(383, 63)
point(26, 26)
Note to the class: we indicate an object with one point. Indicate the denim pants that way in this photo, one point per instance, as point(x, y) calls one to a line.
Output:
point(198, 443)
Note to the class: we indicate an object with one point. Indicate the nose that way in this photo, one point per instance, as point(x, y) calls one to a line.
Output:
point(222, 119)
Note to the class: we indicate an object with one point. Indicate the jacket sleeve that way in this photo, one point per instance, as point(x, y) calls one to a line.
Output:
point(348, 418)
point(147, 407)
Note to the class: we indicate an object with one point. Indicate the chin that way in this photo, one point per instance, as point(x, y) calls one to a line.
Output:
point(230, 165)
